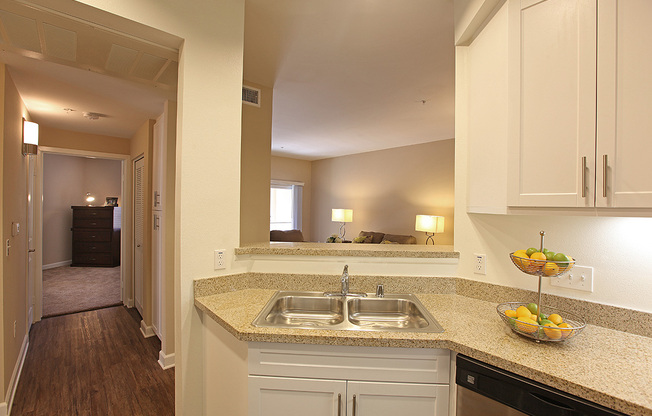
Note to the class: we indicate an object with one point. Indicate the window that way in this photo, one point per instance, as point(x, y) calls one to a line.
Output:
point(285, 205)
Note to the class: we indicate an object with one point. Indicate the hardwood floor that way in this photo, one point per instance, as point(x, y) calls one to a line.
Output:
point(93, 363)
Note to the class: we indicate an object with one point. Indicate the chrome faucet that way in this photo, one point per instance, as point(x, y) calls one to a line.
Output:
point(345, 286)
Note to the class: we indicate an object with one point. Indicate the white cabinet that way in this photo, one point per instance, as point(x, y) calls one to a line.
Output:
point(579, 104)
point(337, 381)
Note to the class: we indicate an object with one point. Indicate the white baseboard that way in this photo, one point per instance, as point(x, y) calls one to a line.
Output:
point(5, 408)
point(147, 331)
point(165, 361)
point(58, 264)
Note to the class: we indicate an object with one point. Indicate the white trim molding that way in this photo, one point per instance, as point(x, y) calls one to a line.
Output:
point(165, 360)
point(5, 408)
point(57, 264)
point(147, 331)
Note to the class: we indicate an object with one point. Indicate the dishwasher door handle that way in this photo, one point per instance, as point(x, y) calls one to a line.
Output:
point(564, 409)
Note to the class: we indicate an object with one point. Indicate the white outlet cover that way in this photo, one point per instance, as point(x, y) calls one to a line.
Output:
point(579, 278)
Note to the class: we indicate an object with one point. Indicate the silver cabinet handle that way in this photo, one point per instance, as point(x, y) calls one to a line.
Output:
point(604, 176)
point(584, 177)
point(339, 404)
point(354, 404)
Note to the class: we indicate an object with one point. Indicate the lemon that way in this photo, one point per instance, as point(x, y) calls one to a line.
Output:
point(551, 331)
point(510, 313)
point(565, 330)
point(521, 253)
point(521, 259)
point(526, 325)
point(522, 311)
point(555, 318)
point(550, 269)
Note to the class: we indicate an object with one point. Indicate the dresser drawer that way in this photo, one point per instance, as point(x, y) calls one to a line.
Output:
point(91, 247)
point(92, 223)
point(92, 213)
point(95, 235)
point(100, 259)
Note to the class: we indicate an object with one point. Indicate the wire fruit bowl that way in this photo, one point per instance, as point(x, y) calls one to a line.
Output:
point(540, 332)
point(536, 267)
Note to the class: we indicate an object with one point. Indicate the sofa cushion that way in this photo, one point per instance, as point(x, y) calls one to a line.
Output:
point(289, 235)
point(401, 239)
point(375, 237)
point(363, 239)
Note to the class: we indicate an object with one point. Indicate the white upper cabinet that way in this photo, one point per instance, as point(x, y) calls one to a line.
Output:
point(624, 123)
point(580, 113)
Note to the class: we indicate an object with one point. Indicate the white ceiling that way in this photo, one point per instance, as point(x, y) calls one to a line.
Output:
point(58, 63)
point(353, 76)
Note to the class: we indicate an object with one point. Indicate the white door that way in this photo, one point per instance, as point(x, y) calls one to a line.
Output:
point(282, 396)
point(624, 111)
point(139, 221)
point(391, 399)
point(554, 79)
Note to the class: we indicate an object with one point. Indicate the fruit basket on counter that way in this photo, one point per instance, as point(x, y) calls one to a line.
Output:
point(568, 324)
point(526, 318)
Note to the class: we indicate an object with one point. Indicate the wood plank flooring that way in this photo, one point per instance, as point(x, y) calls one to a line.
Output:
point(93, 363)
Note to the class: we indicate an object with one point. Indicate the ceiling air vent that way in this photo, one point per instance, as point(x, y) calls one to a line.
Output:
point(251, 96)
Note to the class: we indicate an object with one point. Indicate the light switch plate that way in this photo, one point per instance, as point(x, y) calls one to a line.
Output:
point(579, 278)
point(15, 229)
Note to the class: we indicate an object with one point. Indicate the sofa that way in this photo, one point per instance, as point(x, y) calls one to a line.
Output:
point(286, 236)
point(373, 237)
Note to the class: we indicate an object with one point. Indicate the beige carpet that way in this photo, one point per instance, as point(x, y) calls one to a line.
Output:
point(75, 289)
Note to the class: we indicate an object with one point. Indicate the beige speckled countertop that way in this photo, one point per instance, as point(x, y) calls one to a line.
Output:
point(350, 250)
point(604, 365)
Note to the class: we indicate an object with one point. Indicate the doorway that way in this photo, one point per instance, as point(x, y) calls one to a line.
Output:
point(74, 289)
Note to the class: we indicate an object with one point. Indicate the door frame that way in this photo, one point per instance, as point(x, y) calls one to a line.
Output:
point(125, 247)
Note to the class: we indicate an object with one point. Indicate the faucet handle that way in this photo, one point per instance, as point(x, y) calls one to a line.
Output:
point(380, 291)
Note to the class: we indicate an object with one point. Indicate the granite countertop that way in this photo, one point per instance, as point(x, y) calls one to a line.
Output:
point(606, 366)
point(342, 249)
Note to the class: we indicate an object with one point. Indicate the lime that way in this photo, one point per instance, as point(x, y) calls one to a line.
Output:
point(531, 250)
point(550, 255)
point(533, 308)
point(562, 259)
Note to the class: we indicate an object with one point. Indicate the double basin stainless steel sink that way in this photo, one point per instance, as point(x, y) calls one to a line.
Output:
point(315, 310)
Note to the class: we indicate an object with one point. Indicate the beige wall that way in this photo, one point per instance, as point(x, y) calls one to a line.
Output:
point(386, 190)
point(287, 169)
point(14, 210)
point(615, 247)
point(255, 167)
point(66, 179)
point(141, 145)
point(66, 139)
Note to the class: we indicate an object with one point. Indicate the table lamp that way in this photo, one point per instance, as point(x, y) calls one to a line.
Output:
point(343, 216)
point(431, 224)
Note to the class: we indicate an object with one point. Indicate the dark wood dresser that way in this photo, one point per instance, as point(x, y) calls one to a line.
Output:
point(95, 236)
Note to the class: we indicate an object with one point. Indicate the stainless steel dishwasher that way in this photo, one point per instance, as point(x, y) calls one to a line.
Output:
point(485, 390)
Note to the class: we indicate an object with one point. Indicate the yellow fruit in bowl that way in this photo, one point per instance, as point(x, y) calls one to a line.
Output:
point(552, 331)
point(521, 259)
point(565, 330)
point(550, 269)
point(555, 319)
point(523, 311)
point(526, 325)
point(537, 256)
point(510, 313)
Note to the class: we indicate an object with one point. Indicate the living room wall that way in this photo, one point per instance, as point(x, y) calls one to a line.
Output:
point(386, 190)
point(296, 170)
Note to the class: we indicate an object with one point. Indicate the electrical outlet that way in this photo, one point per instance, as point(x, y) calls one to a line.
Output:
point(220, 264)
point(579, 278)
point(480, 264)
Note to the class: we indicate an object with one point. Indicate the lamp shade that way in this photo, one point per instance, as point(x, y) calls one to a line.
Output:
point(430, 224)
point(30, 137)
point(342, 215)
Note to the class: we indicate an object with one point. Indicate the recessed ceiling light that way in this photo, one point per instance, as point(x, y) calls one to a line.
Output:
point(68, 110)
point(92, 116)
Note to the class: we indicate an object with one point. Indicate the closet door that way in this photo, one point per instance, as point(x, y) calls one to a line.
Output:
point(139, 221)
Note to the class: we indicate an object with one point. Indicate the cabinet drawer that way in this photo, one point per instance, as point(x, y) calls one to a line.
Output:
point(91, 247)
point(415, 365)
point(95, 213)
point(106, 223)
point(99, 235)
point(92, 259)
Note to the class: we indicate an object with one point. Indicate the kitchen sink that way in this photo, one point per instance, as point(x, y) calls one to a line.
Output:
point(314, 310)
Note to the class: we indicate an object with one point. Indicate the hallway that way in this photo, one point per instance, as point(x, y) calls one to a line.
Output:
point(93, 363)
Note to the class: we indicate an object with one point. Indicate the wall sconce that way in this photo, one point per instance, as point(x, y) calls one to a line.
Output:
point(343, 216)
point(431, 224)
point(89, 198)
point(30, 138)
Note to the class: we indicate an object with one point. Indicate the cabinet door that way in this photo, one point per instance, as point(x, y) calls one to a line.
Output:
point(553, 70)
point(390, 399)
point(624, 110)
point(281, 396)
